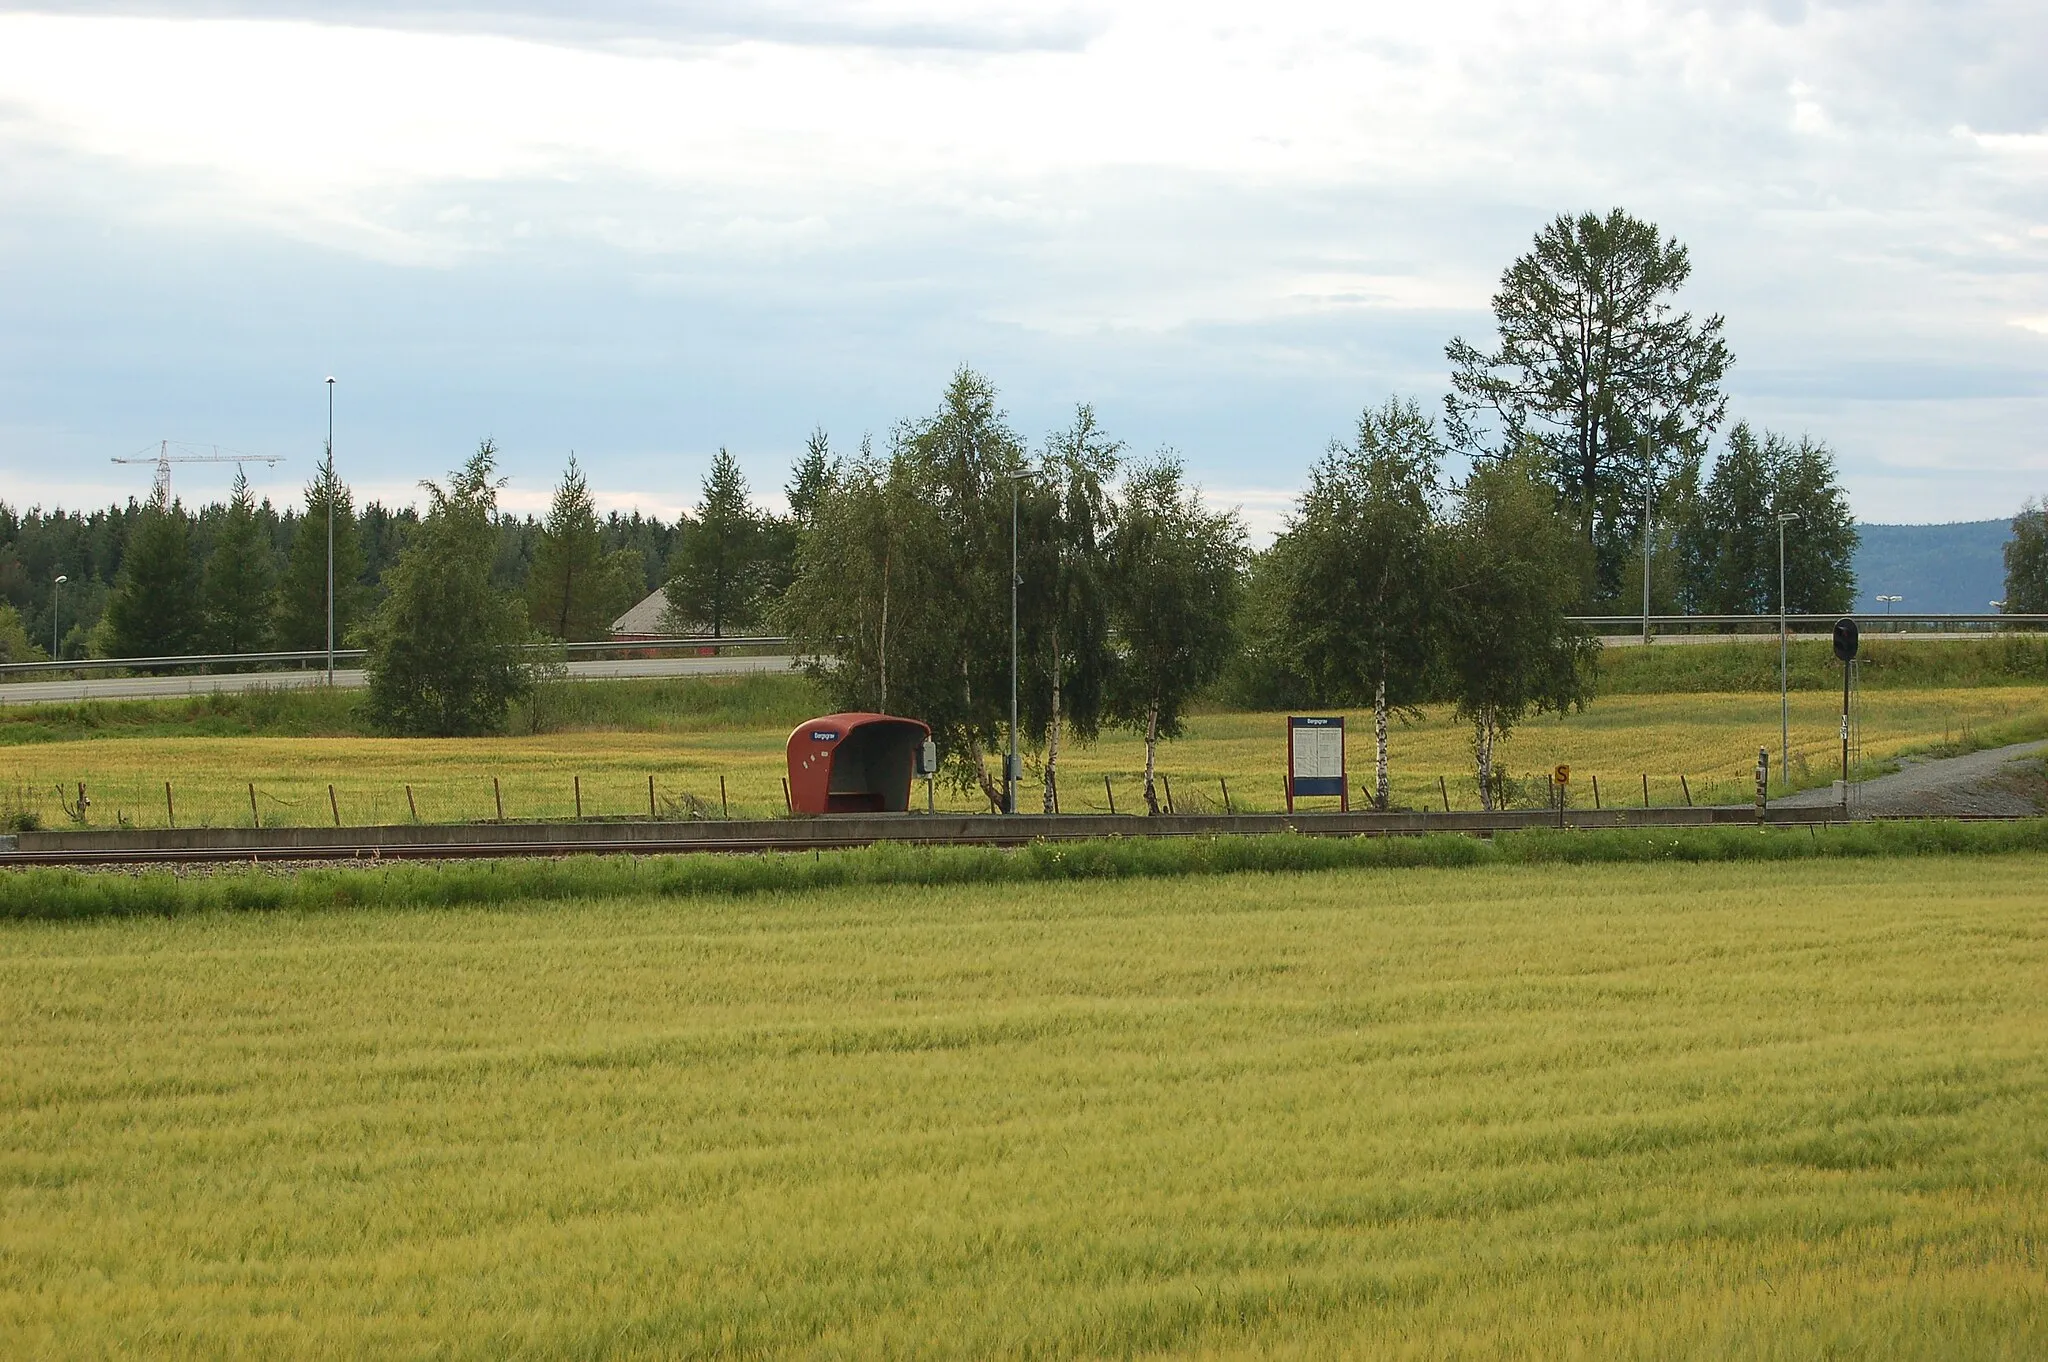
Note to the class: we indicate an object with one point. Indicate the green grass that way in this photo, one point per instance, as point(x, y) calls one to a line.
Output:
point(1538, 1111)
point(1883, 664)
point(56, 893)
point(679, 705)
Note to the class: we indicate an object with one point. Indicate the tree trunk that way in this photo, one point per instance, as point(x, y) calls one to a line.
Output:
point(1052, 733)
point(1482, 751)
point(882, 642)
point(989, 789)
point(1379, 742)
point(1151, 760)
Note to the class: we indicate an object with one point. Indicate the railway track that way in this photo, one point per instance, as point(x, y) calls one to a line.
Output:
point(502, 840)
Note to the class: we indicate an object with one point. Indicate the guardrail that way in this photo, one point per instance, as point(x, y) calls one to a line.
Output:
point(319, 655)
point(1878, 623)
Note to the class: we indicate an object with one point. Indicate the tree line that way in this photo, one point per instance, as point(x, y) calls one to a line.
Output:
point(1591, 423)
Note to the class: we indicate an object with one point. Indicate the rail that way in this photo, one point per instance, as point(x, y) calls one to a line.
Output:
point(319, 655)
point(1878, 623)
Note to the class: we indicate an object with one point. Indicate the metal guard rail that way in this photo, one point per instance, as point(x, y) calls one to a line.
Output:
point(1821, 623)
point(573, 650)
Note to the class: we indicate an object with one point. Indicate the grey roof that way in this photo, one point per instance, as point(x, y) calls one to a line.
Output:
point(644, 619)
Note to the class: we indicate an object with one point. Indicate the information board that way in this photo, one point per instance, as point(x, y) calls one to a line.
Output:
point(1315, 758)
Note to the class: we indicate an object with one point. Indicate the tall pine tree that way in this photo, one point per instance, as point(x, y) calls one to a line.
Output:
point(715, 579)
point(302, 596)
point(240, 589)
point(153, 610)
point(575, 589)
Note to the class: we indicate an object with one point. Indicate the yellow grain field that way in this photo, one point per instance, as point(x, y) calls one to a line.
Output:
point(1709, 739)
point(1710, 1111)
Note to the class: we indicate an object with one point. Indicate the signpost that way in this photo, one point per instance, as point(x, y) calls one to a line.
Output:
point(1846, 643)
point(1315, 759)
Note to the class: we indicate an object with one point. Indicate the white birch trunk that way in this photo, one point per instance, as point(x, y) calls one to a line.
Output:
point(1379, 743)
point(1052, 736)
point(1151, 760)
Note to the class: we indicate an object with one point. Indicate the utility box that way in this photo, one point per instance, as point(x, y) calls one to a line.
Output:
point(855, 763)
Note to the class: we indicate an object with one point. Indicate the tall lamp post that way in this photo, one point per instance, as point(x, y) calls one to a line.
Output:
point(1888, 602)
point(56, 594)
point(332, 502)
point(1646, 538)
point(1784, 689)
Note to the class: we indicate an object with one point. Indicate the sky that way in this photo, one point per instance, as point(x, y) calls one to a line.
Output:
point(643, 230)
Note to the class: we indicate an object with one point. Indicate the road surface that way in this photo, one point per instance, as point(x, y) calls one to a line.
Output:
point(193, 683)
point(2007, 782)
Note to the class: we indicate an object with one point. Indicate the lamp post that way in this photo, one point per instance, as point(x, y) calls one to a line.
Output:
point(1784, 689)
point(1888, 602)
point(1646, 537)
point(56, 594)
point(1010, 762)
point(332, 502)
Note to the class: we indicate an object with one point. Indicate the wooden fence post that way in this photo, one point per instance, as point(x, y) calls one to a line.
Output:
point(498, 796)
point(724, 809)
point(1444, 790)
point(579, 797)
point(255, 818)
point(1109, 791)
point(1646, 789)
point(1596, 792)
point(1167, 781)
point(1686, 788)
point(1226, 794)
point(335, 805)
point(170, 809)
point(650, 799)
point(788, 806)
point(411, 805)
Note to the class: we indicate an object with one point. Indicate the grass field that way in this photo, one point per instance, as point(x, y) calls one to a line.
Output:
point(692, 733)
point(1774, 1111)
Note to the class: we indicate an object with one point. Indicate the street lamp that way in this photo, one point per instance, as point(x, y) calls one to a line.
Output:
point(56, 594)
point(1784, 689)
point(1888, 602)
point(332, 501)
point(1646, 537)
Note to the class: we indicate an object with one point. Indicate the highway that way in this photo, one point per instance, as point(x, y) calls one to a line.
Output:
point(199, 683)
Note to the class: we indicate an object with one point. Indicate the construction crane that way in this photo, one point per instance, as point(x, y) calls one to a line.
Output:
point(163, 459)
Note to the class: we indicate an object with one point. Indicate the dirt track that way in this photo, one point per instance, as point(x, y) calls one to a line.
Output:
point(2004, 780)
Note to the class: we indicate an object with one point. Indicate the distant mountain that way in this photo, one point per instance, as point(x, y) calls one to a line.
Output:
point(1957, 568)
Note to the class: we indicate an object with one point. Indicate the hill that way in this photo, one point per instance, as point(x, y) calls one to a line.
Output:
point(1957, 568)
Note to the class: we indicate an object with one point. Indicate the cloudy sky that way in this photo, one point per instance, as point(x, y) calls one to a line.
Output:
point(662, 226)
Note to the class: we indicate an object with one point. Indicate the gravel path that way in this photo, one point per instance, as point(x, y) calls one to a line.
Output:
point(2003, 780)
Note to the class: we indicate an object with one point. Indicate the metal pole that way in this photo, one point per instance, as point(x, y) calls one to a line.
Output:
point(332, 504)
point(1784, 690)
point(1010, 765)
point(1646, 538)
point(56, 596)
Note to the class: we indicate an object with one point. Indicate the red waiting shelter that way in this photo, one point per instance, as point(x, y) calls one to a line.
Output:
point(854, 763)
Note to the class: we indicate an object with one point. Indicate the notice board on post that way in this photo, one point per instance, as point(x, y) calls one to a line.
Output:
point(1315, 758)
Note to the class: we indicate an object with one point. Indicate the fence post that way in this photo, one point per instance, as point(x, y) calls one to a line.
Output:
point(1226, 794)
point(1109, 791)
point(579, 797)
point(255, 818)
point(1167, 781)
point(1687, 789)
point(410, 805)
point(498, 797)
point(1646, 789)
point(1444, 790)
point(724, 809)
point(335, 805)
point(170, 809)
point(788, 806)
point(1596, 792)
point(651, 814)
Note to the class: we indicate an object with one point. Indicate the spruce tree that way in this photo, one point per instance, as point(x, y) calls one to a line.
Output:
point(575, 590)
point(153, 610)
point(302, 596)
point(716, 577)
point(240, 589)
